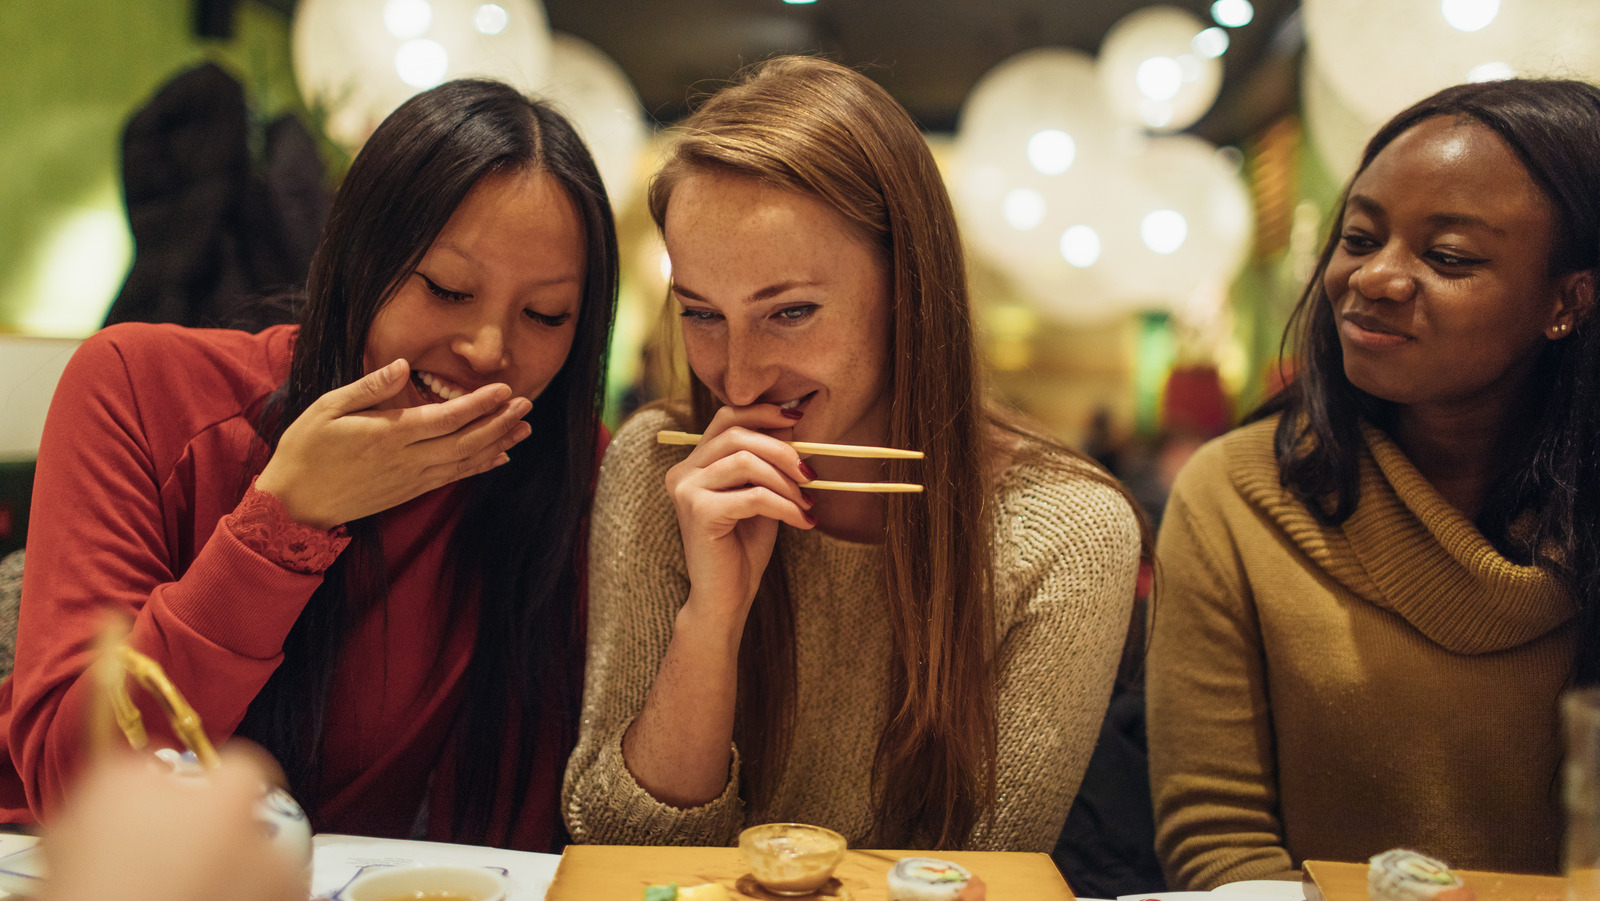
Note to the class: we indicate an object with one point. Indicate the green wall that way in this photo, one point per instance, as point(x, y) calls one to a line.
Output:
point(74, 71)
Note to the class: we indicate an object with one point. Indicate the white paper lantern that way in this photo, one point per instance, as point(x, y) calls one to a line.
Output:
point(1033, 135)
point(1381, 56)
point(359, 59)
point(1074, 281)
point(596, 95)
point(1152, 72)
point(1193, 220)
point(1338, 133)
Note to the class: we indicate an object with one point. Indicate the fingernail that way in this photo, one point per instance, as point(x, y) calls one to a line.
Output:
point(809, 518)
point(807, 471)
point(789, 413)
point(807, 498)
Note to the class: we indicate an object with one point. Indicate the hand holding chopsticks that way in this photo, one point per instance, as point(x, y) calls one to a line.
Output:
point(828, 450)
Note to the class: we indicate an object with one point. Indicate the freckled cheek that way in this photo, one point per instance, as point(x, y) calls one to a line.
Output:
point(706, 358)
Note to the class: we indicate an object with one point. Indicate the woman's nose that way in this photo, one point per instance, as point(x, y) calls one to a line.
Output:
point(483, 346)
point(749, 372)
point(1385, 275)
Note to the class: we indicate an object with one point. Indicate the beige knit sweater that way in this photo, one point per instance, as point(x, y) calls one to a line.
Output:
point(1330, 693)
point(1066, 561)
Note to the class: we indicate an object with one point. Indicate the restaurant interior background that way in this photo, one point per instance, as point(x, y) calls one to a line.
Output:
point(1143, 188)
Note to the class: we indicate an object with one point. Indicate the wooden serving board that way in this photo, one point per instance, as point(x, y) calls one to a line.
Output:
point(621, 872)
point(1329, 881)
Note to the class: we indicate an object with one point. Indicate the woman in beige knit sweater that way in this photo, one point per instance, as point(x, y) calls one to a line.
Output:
point(913, 670)
point(1373, 593)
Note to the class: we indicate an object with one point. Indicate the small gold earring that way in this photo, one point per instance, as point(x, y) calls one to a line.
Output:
point(1560, 328)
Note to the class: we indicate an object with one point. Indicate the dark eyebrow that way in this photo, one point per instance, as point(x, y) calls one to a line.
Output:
point(766, 293)
point(1372, 208)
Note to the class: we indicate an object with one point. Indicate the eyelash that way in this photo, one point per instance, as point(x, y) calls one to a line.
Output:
point(787, 314)
point(1358, 244)
point(448, 296)
point(803, 312)
point(1455, 260)
point(542, 319)
point(442, 293)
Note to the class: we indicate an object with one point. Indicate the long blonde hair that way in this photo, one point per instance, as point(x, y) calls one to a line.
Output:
point(823, 130)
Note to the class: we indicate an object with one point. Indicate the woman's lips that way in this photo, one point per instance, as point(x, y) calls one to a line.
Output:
point(1370, 332)
point(435, 389)
point(797, 403)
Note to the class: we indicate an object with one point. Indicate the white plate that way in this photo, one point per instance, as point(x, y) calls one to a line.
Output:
point(1282, 889)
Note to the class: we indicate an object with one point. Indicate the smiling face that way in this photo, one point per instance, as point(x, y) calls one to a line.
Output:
point(782, 303)
point(495, 298)
point(1440, 283)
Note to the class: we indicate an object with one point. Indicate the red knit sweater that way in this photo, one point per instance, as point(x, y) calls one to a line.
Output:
point(142, 464)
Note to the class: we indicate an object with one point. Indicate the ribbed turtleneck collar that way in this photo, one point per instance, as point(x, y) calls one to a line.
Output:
point(1407, 549)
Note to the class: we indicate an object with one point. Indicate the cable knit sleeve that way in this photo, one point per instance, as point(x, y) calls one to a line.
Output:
point(1067, 557)
point(1212, 766)
point(637, 583)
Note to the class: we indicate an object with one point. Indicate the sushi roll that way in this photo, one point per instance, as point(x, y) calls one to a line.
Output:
point(926, 879)
point(1401, 875)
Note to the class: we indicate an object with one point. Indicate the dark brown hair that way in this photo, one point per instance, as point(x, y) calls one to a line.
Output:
point(399, 194)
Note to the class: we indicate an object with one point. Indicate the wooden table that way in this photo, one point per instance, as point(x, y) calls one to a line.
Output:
point(1329, 881)
point(621, 872)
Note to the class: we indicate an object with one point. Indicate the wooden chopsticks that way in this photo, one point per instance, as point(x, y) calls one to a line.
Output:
point(860, 452)
point(864, 452)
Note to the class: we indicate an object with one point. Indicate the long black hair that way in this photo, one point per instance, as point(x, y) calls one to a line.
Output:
point(1553, 126)
point(518, 543)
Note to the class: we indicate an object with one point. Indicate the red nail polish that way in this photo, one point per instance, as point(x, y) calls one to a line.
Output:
point(808, 472)
point(808, 499)
point(809, 518)
point(791, 414)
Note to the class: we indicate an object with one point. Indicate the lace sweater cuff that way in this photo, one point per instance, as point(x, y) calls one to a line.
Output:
point(262, 525)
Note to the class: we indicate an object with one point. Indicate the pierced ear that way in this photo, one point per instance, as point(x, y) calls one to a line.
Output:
point(1575, 299)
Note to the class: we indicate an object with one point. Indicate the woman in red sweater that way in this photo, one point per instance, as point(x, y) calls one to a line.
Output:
point(356, 540)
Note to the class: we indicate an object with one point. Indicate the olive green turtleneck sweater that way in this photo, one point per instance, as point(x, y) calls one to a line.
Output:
point(1329, 693)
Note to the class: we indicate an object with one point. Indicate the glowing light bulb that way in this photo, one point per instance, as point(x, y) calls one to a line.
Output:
point(1024, 209)
point(1469, 15)
point(1495, 71)
point(1080, 246)
point(1052, 151)
point(491, 19)
point(1159, 78)
point(408, 19)
point(422, 63)
point(1164, 231)
point(1233, 13)
point(1210, 43)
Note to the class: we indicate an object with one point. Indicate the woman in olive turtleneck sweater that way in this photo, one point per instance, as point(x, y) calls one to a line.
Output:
point(1373, 593)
